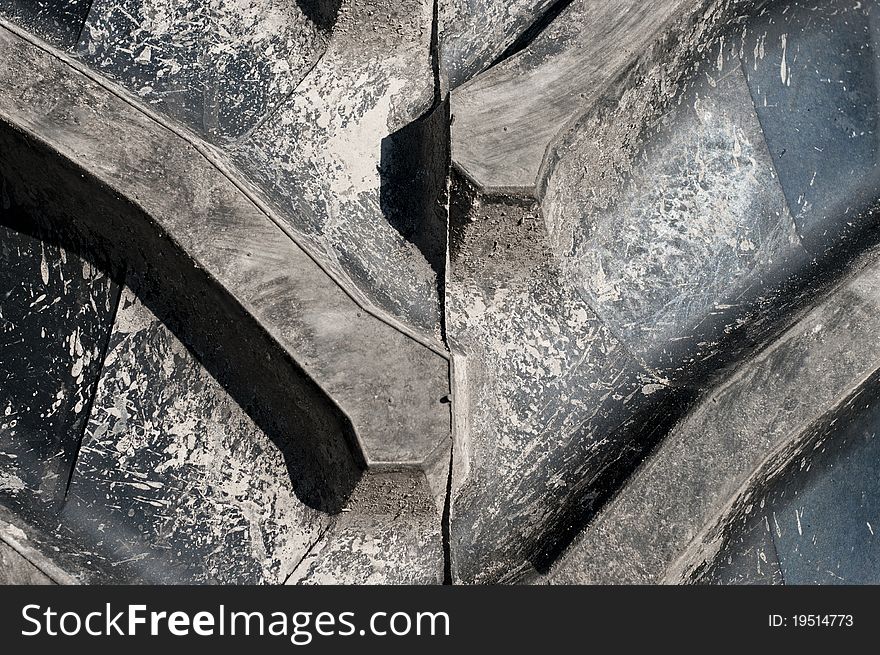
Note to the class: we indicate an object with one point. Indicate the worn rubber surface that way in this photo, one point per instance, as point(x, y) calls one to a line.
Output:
point(316, 291)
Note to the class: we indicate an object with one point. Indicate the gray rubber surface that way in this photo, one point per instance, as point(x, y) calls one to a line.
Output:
point(420, 292)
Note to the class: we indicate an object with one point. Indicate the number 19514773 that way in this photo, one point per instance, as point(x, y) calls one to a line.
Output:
point(811, 621)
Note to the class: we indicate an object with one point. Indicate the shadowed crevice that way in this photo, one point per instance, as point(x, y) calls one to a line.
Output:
point(413, 171)
point(525, 39)
point(322, 13)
